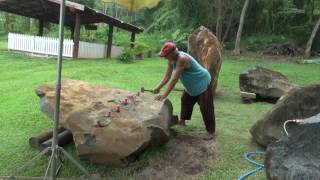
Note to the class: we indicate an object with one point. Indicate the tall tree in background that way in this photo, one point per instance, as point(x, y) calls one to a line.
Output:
point(219, 20)
point(236, 50)
point(309, 8)
point(8, 22)
point(313, 35)
point(2, 22)
point(229, 15)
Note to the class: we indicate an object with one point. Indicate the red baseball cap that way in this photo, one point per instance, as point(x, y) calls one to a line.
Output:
point(167, 48)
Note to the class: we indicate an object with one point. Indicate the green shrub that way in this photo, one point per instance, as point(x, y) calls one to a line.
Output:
point(259, 42)
point(228, 45)
point(127, 56)
point(179, 37)
point(140, 48)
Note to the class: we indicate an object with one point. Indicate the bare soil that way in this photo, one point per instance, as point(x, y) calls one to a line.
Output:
point(188, 157)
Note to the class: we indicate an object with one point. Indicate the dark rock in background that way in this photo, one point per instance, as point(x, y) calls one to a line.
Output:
point(268, 85)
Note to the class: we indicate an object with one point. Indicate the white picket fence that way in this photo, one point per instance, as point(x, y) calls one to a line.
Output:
point(49, 46)
point(39, 45)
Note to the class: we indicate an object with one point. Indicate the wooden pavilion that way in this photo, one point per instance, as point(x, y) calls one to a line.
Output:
point(77, 15)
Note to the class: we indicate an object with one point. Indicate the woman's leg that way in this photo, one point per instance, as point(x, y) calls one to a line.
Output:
point(187, 103)
point(205, 102)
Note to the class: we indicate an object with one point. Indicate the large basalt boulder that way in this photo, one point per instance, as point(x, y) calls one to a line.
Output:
point(296, 157)
point(99, 137)
point(204, 46)
point(299, 103)
point(265, 83)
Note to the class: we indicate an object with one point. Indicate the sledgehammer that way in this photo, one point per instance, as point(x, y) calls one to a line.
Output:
point(143, 90)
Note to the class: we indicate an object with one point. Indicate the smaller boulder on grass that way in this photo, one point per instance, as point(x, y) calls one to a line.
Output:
point(268, 85)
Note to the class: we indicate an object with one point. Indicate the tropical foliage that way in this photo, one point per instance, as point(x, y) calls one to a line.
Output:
point(291, 20)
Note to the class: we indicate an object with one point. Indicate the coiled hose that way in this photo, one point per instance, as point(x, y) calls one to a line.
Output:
point(259, 166)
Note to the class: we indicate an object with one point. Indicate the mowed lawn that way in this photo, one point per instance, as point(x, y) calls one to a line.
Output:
point(21, 118)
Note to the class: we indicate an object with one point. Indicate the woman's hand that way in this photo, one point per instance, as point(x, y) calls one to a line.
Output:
point(156, 90)
point(160, 97)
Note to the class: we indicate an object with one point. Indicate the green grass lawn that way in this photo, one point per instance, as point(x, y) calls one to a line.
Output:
point(3, 45)
point(20, 116)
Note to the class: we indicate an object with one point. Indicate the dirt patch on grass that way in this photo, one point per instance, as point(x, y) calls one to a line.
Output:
point(188, 156)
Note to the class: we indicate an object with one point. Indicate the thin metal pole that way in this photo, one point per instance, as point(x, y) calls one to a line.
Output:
point(55, 149)
point(58, 91)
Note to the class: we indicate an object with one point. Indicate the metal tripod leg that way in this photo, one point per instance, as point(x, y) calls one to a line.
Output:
point(30, 162)
point(61, 160)
point(60, 152)
point(80, 167)
point(49, 164)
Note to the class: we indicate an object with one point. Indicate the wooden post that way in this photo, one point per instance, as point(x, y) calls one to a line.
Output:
point(40, 28)
point(72, 32)
point(133, 38)
point(76, 36)
point(110, 36)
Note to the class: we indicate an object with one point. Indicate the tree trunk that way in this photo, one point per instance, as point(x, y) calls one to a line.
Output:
point(313, 35)
point(236, 50)
point(2, 21)
point(6, 23)
point(116, 12)
point(228, 28)
point(30, 22)
point(40, 27)
point(26, 23)
point(310, 10)
point(211, 15)
point(218, 24)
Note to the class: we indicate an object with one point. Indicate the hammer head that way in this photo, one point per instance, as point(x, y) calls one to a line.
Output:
point(144, 90)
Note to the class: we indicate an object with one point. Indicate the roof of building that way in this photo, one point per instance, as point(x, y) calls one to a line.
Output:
point(49, 10)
